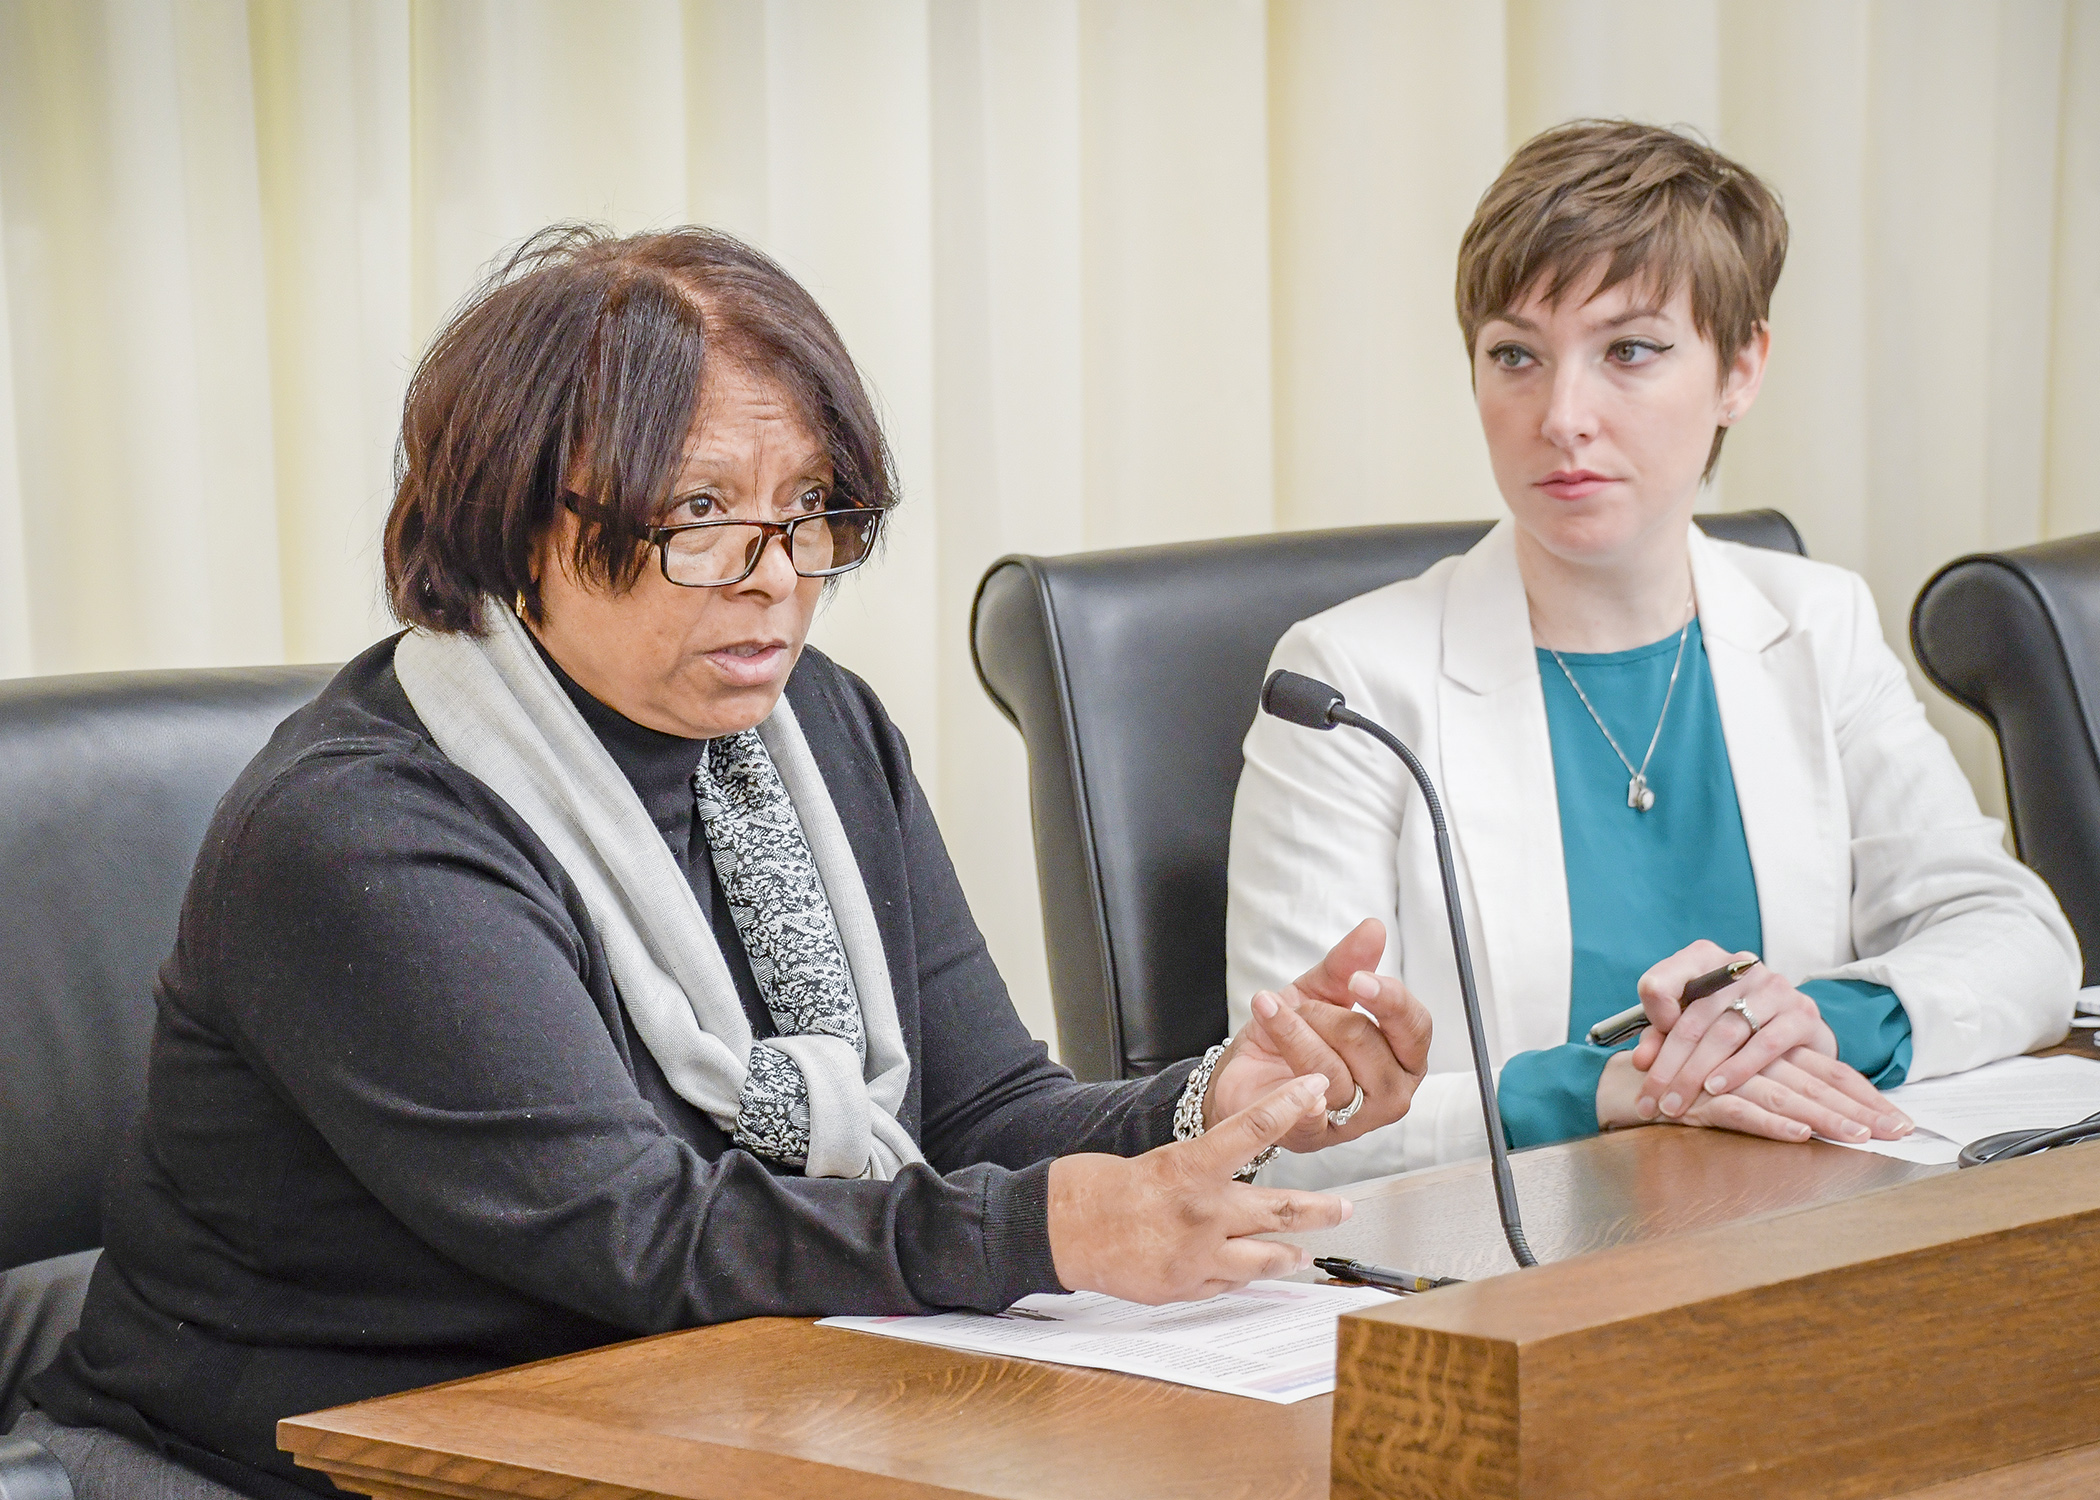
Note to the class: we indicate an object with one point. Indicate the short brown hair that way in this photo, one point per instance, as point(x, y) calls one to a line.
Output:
point(1653, 204)
point(583, 355)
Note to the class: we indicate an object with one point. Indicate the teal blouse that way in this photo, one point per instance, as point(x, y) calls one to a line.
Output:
point(1643, 885)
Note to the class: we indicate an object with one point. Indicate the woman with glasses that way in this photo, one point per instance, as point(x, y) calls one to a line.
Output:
point(586, 963)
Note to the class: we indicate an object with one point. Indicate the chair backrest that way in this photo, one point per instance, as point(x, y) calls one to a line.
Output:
point(106, 785)
point(1133, 676)
point(2015, 636)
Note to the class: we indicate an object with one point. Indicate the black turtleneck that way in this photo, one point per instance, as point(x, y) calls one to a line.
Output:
point(399, 1128)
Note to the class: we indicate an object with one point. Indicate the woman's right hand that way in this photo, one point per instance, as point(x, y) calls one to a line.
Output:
point(1172, 1225)
point(1792, 1098)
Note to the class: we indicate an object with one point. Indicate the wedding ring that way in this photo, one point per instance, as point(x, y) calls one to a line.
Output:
point(1340, 1117)
point(1742, 1008)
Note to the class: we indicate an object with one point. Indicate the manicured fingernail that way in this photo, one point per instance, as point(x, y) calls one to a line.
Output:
point(1896, 1124)
point(1644, 1107)
point(1672, 1106)
point(1348, 1210)
point(1715, 1084)
point(1364, 983)
point(1802, 1132)
point(1265, 1005)
point(1856, 1131)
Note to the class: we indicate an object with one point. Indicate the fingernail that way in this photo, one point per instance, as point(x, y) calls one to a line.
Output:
point(1305, 1259)
point(1265, 1005)
point(1364, 984)
point(1802, 1132)
point(1856, 1131)
point(1644, 1107)
point(1715, 1084)
point(1672, 1105)
point(1348, 1210)
point(1896, 1124)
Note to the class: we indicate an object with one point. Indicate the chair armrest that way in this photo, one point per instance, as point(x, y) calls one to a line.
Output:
point(29, 1472)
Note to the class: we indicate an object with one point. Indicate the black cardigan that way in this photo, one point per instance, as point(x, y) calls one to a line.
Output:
point(398, 1128)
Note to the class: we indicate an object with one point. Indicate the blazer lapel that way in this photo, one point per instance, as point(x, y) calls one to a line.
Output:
point(1496, 761)
point(1780, 751)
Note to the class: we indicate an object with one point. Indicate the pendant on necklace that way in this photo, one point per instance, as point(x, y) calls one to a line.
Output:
point(1639, 796)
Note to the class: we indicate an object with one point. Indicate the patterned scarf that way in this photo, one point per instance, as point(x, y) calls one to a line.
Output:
point(777, 901)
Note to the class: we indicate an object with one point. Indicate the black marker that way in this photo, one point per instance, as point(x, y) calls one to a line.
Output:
point(1385, 1278)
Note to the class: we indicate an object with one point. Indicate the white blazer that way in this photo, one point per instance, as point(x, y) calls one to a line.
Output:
point(1871, 858)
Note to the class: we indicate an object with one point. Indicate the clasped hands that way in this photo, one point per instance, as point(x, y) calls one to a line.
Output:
point(1704, 1064)
point(1172, 1225)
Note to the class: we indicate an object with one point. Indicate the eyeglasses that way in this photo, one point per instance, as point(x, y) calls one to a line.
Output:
point(711, 554)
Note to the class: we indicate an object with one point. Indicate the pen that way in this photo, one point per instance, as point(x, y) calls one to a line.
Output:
point(1385, 1278)
point(1613, 1030)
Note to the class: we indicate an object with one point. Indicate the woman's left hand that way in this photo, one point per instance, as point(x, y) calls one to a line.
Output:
point(1709, 1047)
point(1314, 1026)
point(1801, 1094)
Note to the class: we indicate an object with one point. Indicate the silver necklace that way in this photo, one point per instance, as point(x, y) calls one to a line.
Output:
point(1639, 795)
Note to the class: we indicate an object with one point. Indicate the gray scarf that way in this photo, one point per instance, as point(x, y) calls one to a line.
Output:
point(497, 712)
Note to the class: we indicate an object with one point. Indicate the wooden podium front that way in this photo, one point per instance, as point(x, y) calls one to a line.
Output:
point(1762, 1319)
point(1927, 1331)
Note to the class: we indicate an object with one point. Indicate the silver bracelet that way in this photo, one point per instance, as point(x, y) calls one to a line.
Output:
point(1188, 1111)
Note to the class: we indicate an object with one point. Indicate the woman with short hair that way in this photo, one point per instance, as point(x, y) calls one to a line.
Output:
point(586, 963)
point(1657, 750)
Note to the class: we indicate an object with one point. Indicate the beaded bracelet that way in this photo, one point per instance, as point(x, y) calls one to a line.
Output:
point(1188, 1111)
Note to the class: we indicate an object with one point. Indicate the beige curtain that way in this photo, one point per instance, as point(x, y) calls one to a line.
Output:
point(1121, 271)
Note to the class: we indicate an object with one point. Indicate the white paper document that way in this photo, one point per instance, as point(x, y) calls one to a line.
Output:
point(1272, 1340)
point(2019, 1093)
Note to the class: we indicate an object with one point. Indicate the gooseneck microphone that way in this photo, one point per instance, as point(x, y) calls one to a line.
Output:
point(1306, 700)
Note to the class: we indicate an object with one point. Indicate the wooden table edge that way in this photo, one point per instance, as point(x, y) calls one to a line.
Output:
point(372, 1464)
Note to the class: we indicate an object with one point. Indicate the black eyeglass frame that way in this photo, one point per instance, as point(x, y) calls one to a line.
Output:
point(659, 537)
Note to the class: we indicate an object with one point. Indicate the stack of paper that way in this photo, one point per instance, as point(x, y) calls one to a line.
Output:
point(2020, 1093)
point(1272, 1340)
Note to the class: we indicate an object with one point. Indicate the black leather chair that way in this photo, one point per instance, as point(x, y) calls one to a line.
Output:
point(106, 784)
point(1133, 676)
point(2015, 637)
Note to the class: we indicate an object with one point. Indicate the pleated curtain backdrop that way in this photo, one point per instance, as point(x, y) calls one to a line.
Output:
point(1120, 273)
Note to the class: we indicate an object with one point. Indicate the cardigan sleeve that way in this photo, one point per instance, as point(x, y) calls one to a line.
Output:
point(398, 970)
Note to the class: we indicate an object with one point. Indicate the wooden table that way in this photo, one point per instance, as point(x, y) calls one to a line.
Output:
point(780, 1407)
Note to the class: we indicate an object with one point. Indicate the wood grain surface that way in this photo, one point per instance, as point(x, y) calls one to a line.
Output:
point(777, 1407)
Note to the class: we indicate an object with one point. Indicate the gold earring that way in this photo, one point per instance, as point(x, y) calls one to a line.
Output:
point(517, 604)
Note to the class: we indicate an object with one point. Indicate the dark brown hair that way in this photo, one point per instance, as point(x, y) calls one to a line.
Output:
point(1652, 204)
point(574, 372)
